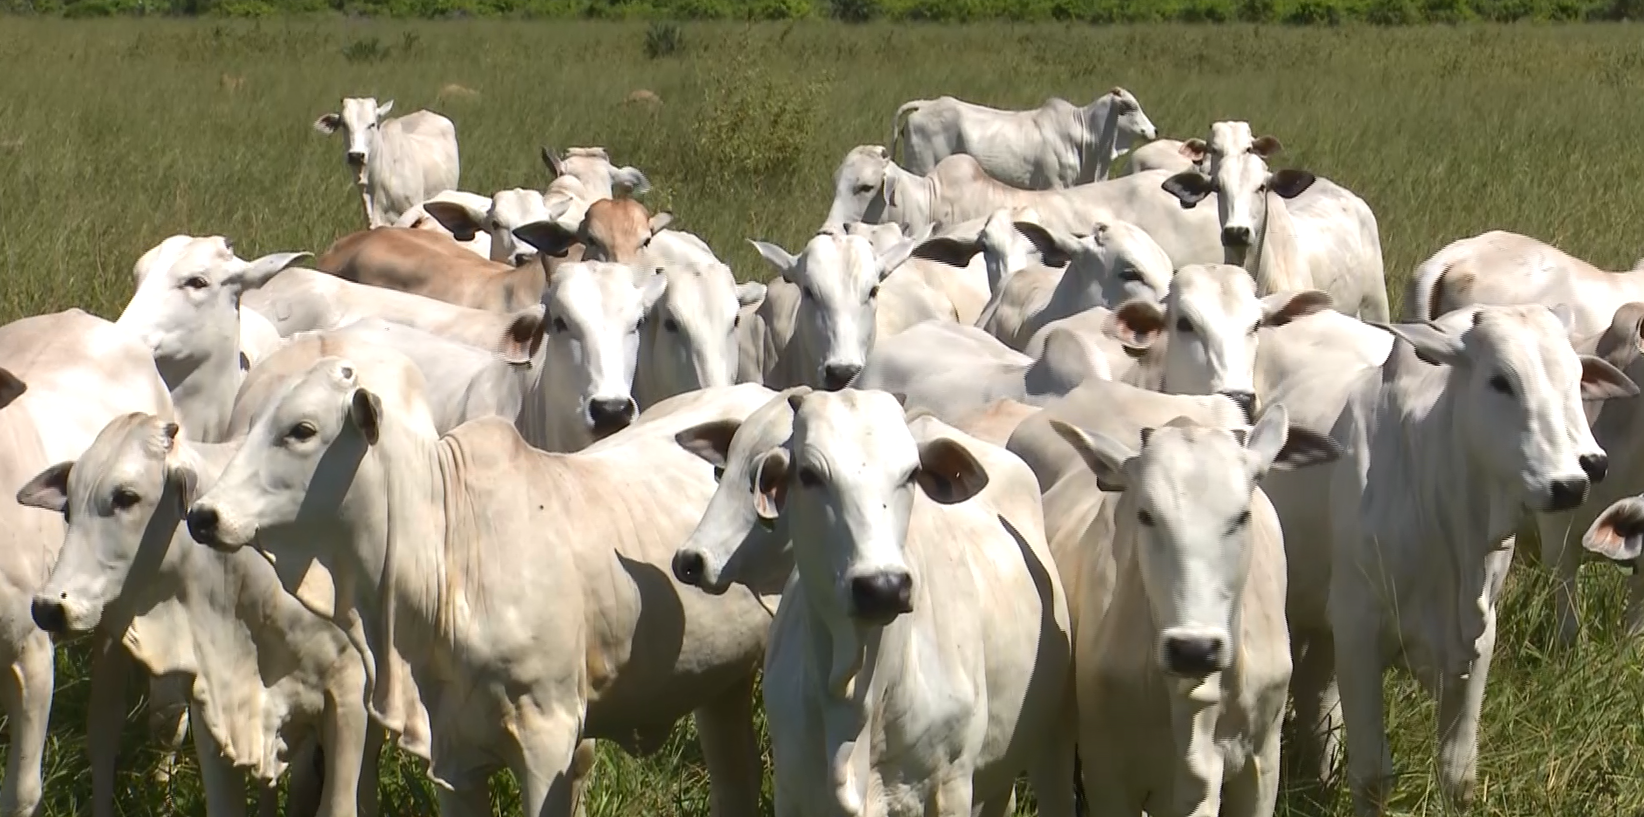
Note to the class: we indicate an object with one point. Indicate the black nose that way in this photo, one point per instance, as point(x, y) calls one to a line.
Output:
point(49, 615)
point(610, 414)
point(1194, 657)
point(1246, 401)
point(356, 158)
point(689, 567)
point(202, 524)
point(836, 376)
point(1595, 466)
point(882, 596)
point(521, 258)
point(1565, 494)
point(1235, 236)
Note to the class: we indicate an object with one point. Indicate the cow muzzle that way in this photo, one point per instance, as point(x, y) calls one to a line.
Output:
point(1245, 400)
point(1192, 653)
point(836, 376)
point(1566, 494)
point(878, 598)
point(355, 159)
point(56, 616)
point(205, 525)
point(608, 415)
point(1235, 237)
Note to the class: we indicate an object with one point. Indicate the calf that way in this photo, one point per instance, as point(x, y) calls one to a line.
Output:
point(397, 163)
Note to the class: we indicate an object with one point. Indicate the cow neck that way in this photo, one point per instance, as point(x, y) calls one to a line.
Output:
point(1274, 259)
point(202, 391)
point(1102, 147)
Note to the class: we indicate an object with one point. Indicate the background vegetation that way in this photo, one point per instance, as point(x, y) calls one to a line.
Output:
point(115, 134)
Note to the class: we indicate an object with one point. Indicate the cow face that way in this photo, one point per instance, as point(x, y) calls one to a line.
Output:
point(689, 337)
point(1133, 125)
point(1118, 258)
point(122, 502)
point(851, 468)
point(360, 121)
point(1518, 387)
point(1187, 515)
point(187, 302)
point(1209, 319)
point(593, 317)
point(859, 186)
point(594, 173)
point(742, 537)
point(613, 230)
point(508, 210)
point(838, 278)
point(1241, 181)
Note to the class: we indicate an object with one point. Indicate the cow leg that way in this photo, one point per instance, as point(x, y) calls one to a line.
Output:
point(582, 773)
point(1254, 791)
point(1051, 773)
point(1358, 673)
point(224, 785)
point(952, 796)
point(343, 742)
point(25, 692)
point(110, 667)
point(548, 742)
point(1107, 791)
point(731, 750)
point(167, 717)
point(375, 737)
point(1317, 708)
point(305, 780)
point(1635, 600)
point(1461, 700)
point(1564, 557)
point(468, 797)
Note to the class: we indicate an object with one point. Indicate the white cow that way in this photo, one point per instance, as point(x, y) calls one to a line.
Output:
point(869, 187)
point(1055, 145)
point(919, 552)
point(1287, 239)
point(951, 369)
point(398, 163)
point(305, 300)
point(1183, 630)
point(847, 297)
point(1173, 155)
point(63, 376)
point(495, 218)
point(1469, 421)
point(464, 382)
point(187, 310)
point(413, 522)
point(1498, 267)
point(419, 218)
point(1003, 249)
point(264, 674)
point(689, 339)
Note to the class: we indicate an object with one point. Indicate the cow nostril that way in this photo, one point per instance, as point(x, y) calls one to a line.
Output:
point(1193, 656)
point(836, 376)
point(48, 615)
point(1235, 236)
point(611, 413)
point(1565, 494)
point(202, 524)
point(1246, 401)
point(882, 596)
point(1595, 466)
point(689, 567)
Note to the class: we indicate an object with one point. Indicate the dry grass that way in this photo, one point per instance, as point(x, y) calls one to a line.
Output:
point(115, 134)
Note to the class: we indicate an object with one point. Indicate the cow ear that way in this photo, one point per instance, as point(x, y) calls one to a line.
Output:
point(1103, 455)
point(651, 291)
point(1266, 146)
point(1189, 187)
point(365, 409)
point(780, 260)
point(1056, 248)
point(1602, 381)
point(11, 387)
point(384, 108)
point(184, 484)
point(894, 255)
point(948, 473)
point(1281, 308)
point(771, 484)
point(552, 161)
point(948, 250)
point(522, 338)
point(1618, 533)
point(1290, 182)
point(629, 181)
point(661, 220)
point(549, 237)
point(749, 293)
point(1273, 443)
point(711, 440)
point(1137, 324)
point(328, 124)
point(48, 490)
point(461, 221)
point(1193, 150)
point(1622, 342)
point(263, 269)
point(1432, 345)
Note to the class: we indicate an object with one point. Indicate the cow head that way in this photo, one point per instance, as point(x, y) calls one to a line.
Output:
point(507, 211)
point(594, 172)
point(838, 278)
point(614, 230)
point(187, 303)
point(593, 317)
point(1240, 178)
point(742, 537)
point(360, 121)
point(1517, 388)
point(1187, 515)
point(1118, 259)
point(688, 340)
point(859, 192)
point(122, 501)
point(850, 471)
point(1209, 320)
point(1133, 125)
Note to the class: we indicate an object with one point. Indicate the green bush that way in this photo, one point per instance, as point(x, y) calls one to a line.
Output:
point(664, 40)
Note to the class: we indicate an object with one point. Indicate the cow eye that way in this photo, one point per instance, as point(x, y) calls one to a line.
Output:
point(670, 324)
point(303, 431)
point(1500, 384)
point(736, 321)
point(873, 293)
point(559, 325)
point(719, 472)
point(1184, 325)
point(1145, 518)
point(864, 189)
point(808, 478)
point(1130, 275)
point(124, 498)
point(805, 292)
point(197, 282)
point(1242, 519)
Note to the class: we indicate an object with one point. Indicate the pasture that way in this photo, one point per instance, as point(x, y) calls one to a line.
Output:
point(115, 134)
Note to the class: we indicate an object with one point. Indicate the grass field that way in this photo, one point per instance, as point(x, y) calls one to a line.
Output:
point(115, 134)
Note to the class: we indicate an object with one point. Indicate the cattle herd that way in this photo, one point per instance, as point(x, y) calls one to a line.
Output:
point(1012, 460)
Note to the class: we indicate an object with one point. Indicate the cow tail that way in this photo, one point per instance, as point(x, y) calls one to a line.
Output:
point(898, 123)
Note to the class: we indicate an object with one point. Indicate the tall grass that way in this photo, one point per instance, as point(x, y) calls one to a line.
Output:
point(115, 134)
